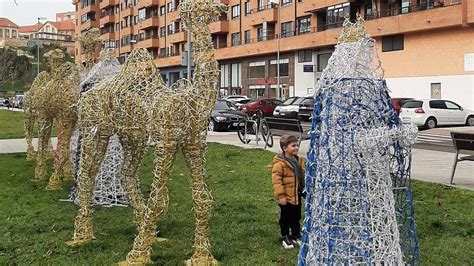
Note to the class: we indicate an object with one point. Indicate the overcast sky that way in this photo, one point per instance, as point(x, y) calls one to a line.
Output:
point(28, 11)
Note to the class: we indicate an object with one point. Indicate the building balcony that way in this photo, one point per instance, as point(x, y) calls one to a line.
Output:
point(312, 6)
point(413, 18)
point(126, 31)
point(177, 37)
point(89, 8)
point(145, 3)
point(162, 62)
point(107, 19)
point(107, 3)
point(126, 48)
point(219, 27)
point(268, 13)
point(89, 24)
point(108, 35)
point(150, 42)
point(149, 22)
point(126, 12)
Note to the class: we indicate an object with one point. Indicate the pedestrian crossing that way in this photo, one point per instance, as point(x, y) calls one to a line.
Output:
point(434, 139)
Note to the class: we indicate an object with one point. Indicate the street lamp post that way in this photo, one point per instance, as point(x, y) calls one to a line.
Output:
point(37, 44)
point(278, 53)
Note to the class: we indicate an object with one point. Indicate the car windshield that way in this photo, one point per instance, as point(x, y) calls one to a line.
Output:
point(413, 104)
point(289, 101)
point(298, 101)
point(308, 101)
point(224, 105)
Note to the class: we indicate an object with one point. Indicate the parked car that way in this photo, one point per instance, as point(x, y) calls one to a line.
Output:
point(265, 106)
point(289, 110)
point(235, 98)
point(285, 103)
point(242, 102)
point(222, 121)
point(398, 102)
point(2, 101)
point(306, 108)
point(432, 113)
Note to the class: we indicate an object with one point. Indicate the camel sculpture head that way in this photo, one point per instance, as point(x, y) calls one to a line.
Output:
point(139, 62)
point(89, 41)
point(200, 12)
point(55, 58)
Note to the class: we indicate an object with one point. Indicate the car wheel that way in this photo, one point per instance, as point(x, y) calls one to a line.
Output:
point(470, 121)
point(430, 123)
point(211, 126)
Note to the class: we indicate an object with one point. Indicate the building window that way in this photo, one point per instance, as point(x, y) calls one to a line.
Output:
point(286, 29)
point(285, 2)
point(260, 34)
point(86, 3)
point(162, 10)
point(117, 9)
point(392, 43)
point(260, 5)
point(335, 15)
point(236, 75)
point(323, 60)
point(142, 14)
point(257, 69)
point(305, 56)
point(235, 38)
point(170, 7)
point(235, 11)
point(247, 36)
point(224, 76)
point(304, 25)
point(284, 70)
point(247, 8)
point(257, 91)
point(435, 91)
point(174, 76)
point(162, 32)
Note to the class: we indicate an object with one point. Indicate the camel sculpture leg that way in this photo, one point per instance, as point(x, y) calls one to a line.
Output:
point(202, 203)
point(94, 148)
point(132, 158)
point(44, 138)
point(29, 127)
point(63, 167)
point(157, 204)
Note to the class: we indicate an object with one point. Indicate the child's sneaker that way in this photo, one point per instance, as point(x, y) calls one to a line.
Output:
point(296, 240)
point(287, 243)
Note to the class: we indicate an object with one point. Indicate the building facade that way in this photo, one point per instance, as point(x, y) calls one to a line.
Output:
point(8, 29)
point(426, 46)
point(66, 16)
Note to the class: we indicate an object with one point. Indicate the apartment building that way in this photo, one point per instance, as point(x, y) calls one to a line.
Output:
point(426, 46)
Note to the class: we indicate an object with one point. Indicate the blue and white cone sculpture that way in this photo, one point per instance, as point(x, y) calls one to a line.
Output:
point(107, 190)
point(358, 206)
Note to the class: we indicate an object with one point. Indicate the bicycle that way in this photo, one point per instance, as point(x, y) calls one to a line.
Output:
point(254, 125)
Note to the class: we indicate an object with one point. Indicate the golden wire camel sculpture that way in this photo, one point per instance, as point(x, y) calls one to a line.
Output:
point(53, 96)
point(136, 104)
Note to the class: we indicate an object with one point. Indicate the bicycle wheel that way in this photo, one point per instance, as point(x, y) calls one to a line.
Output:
point(241, 131)
point(266, 134)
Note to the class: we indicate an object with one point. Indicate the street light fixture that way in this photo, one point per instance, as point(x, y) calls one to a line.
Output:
point(37, 43)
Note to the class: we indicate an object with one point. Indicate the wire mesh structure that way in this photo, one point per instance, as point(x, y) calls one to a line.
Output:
point(136, 104)
point(107, 189)
point(358, 204)
point(53, 96)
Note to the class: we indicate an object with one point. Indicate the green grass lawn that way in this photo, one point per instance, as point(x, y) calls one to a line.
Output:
point(12, 125)
point(244, 230)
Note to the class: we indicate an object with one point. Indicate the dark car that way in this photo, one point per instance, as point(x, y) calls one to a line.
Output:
point(222, 121)
point(306, 108)
point(264, 106)
point(398, 102)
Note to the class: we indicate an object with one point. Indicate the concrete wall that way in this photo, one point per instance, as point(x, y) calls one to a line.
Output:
point(457, 88)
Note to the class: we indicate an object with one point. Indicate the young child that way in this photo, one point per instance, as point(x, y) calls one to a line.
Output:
point(288, 185)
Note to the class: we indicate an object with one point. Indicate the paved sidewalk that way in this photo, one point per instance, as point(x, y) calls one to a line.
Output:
point(428, 165)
